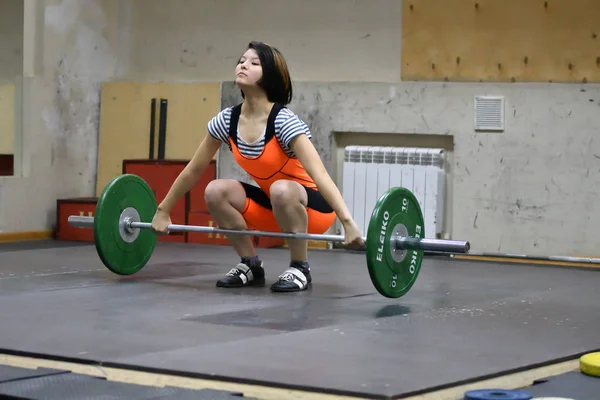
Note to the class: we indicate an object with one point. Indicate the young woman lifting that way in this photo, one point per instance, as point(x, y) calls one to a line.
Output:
point(272, 144)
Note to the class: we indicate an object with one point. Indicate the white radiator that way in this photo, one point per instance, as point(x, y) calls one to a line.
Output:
point(369, 171)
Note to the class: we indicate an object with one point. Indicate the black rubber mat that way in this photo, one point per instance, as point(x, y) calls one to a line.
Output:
point(9, 373)
point(572, 385)
point(82, 387)
point(461, 322)
point(40, 244)
point(206, 394)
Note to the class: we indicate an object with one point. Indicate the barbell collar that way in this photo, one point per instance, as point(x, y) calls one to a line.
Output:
point(432, 245)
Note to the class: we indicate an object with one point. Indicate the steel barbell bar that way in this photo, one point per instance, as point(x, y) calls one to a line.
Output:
point(397, 242)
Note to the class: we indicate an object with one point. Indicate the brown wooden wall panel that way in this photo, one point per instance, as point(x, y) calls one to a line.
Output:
point(125, 121)
point(501, 40)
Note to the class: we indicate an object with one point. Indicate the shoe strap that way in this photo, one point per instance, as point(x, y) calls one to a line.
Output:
point(242, 270)
point(294, 274)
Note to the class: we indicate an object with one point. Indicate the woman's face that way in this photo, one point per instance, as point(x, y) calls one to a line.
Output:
point(248, 70)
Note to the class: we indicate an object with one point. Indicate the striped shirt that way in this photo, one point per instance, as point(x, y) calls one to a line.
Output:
point(287, 126)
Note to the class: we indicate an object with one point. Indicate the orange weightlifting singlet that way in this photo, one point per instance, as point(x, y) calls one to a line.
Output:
point(272, 165)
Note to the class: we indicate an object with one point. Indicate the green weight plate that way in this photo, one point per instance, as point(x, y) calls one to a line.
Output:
point(125, 192)
point(394, 273)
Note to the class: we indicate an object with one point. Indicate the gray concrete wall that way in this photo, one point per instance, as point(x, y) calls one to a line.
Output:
point(72, 46)
point(59, 97)
point(333, 40)
point(531, 189)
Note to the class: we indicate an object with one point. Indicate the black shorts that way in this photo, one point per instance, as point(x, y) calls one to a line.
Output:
point(315, 198)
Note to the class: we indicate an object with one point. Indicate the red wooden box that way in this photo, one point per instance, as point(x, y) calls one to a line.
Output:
point(7, 167)
point(197, 203)
point(82, 206)
point(160, 175)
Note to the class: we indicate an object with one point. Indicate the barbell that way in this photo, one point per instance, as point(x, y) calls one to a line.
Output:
point(395, 240)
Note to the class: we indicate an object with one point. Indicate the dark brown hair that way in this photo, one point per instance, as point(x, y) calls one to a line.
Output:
point(276, 81)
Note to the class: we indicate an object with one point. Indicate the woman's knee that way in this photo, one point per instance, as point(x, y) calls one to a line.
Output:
point(284, 192)
point(221, 192)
